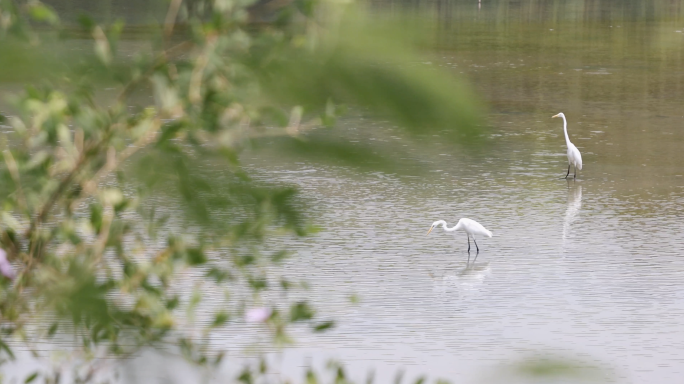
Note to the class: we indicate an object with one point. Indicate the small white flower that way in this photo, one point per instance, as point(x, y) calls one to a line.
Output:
point(5, 266)
point(258, 315)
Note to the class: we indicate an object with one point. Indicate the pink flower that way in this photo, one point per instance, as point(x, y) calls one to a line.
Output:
point(5, 266)
point(258, 315)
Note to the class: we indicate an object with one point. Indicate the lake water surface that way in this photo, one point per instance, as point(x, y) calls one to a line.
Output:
point(591, 269)
point(588, 270)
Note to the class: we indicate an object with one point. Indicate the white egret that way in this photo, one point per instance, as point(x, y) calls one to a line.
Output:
point(470, 227)
point(574, 156)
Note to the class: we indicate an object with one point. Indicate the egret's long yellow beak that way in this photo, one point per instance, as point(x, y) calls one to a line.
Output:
point(554, 116)
point(431, 228)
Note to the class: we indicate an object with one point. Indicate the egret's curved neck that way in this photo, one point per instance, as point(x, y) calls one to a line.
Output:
point(565, 130)
point(444, 225)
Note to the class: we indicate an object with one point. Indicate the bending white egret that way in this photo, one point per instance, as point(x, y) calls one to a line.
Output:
point(574, 156)
point(470, 227)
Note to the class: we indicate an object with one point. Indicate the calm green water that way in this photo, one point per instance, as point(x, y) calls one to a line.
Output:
point(590, 270)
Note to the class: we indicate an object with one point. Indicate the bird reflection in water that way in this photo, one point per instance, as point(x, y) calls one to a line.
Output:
point(460, 280)
point(574, 206)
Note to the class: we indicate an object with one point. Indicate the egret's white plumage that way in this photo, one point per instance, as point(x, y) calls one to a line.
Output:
point(574, 156)
point(470, 227)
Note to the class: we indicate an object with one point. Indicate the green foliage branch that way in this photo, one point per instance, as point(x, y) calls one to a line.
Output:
point(118, 214)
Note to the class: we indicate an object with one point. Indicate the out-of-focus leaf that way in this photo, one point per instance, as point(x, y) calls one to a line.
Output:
point(364, 65)
point(96, 217)
point(7, 349)
point(257, 283)
point(301, 311)
point(246, 377)
point(218, 275)
point(80, 298)
point(244, 260)
point(209, 194)
point(186, 348)
point(311, 377)
point(322, 147)
point(31, 378)
point(547, 368)
point(41, 12)
point(53, 329)
point(103, 48)
point(279, 256)
point(86, 22)
point(399, 377)
point(22, 62)
point(554, 367)
point(196, 256)
point(323, 326)
point(220, 319)
point(172, 303)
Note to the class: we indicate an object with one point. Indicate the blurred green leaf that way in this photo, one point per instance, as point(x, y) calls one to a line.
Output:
point(23, 62)
point(41, 12)
point(196, 256)
point(257, 283)
point(364, 65)
point(554, 367)
point(322, 147)
point(53, 329)
point(173, 303)
point(80, 297)
point(244, 260)
point(31, 378)
point(96, 217)
point(209, 194)
point(7, 349)
point(399, 376)
point(218, 275)
point(86, 22)
point(219, 358)
point(301, 311)
point(170, 138)
point(321, 327)
point(279, 256)
point(245, 377)
point(547, 368)
point(220, 319)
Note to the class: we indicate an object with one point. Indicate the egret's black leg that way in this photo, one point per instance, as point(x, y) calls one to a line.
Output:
point(468, 262)
point(476, 247)
point(566, 176)
point(468, 246)
point(575, 175)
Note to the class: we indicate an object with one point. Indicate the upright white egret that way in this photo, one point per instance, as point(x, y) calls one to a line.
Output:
point(470, 227)
point(574, 156)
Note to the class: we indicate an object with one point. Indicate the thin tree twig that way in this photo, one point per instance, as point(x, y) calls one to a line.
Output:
point(162, 58)
point(101, 243)
point(195, 87)
point(14, 172)
point(42, 213)
point(171, 15)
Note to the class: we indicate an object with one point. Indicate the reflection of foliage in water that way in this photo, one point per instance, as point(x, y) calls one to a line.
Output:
point(106, 205)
